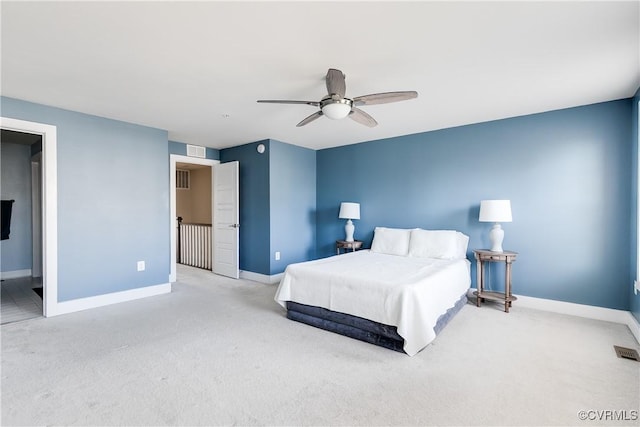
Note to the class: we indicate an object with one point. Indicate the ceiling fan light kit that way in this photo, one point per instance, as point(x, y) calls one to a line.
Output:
point(336, 109)
point(336, 106)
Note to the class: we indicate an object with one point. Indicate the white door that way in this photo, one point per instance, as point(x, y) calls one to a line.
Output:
point(226, 219)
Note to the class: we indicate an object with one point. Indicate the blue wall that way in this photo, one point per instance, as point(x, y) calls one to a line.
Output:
point(254, 205)
point(15, 184)
point(277, 204)
point(113, 201)
point(635, 145)
point(292, 189)
point(567, 174)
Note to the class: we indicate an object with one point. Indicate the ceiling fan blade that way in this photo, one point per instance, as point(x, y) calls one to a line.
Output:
point(335, 83)
point(363, 118)
point(310, 118)
point(384, 98)
point(284, 101)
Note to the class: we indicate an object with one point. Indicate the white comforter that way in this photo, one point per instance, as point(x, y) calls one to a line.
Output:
point(409, 293)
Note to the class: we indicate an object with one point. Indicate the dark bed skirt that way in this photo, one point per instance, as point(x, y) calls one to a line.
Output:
point(361, 329)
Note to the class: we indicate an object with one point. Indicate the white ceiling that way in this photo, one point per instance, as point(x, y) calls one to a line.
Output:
point(196, 69)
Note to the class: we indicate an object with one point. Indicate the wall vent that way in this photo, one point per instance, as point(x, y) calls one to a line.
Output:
point(183, 178)
point(627, 353)
point(196, 151)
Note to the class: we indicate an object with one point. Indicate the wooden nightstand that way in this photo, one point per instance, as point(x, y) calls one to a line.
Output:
point(343, 244)
point(483, 256)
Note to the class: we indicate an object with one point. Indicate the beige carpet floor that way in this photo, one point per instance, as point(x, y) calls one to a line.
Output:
point(218, 351)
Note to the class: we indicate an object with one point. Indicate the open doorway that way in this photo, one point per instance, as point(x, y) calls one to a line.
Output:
point(21, 255)
point(193, 215)
point(48, 221)
point(188, 212)
point(224, 214)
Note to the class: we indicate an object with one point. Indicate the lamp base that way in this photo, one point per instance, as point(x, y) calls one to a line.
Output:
point(349, 228)
point(496, 236)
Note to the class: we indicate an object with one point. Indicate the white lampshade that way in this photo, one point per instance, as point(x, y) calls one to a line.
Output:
point(495, 211)
point(349, 210)
point(336, 110)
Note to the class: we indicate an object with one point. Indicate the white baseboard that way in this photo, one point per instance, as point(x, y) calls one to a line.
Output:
point(15, 274)
point(108, 299)
point(580, 310)
point(634, 326)
point(262, 278)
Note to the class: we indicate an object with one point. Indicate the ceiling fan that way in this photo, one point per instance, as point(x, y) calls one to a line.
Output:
point(336, 106)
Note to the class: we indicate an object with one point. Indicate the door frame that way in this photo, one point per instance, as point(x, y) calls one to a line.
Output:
point(173, 160)
point(49, 207)
point(36, 214)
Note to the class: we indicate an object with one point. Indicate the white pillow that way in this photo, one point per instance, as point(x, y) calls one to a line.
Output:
point(442, 244)
point(463, 244)
point(391, 241)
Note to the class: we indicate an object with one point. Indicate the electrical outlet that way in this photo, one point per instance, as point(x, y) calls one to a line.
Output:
point(141, 266)
point(278, 256)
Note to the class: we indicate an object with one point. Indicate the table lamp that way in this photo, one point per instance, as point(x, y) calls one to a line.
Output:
point(349, 211)
point(495, 211)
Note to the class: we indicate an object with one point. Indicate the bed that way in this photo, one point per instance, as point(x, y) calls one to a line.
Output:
point(399, 294)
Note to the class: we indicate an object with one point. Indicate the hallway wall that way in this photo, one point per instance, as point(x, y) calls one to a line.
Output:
point(194, 204)
point(15, 183)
